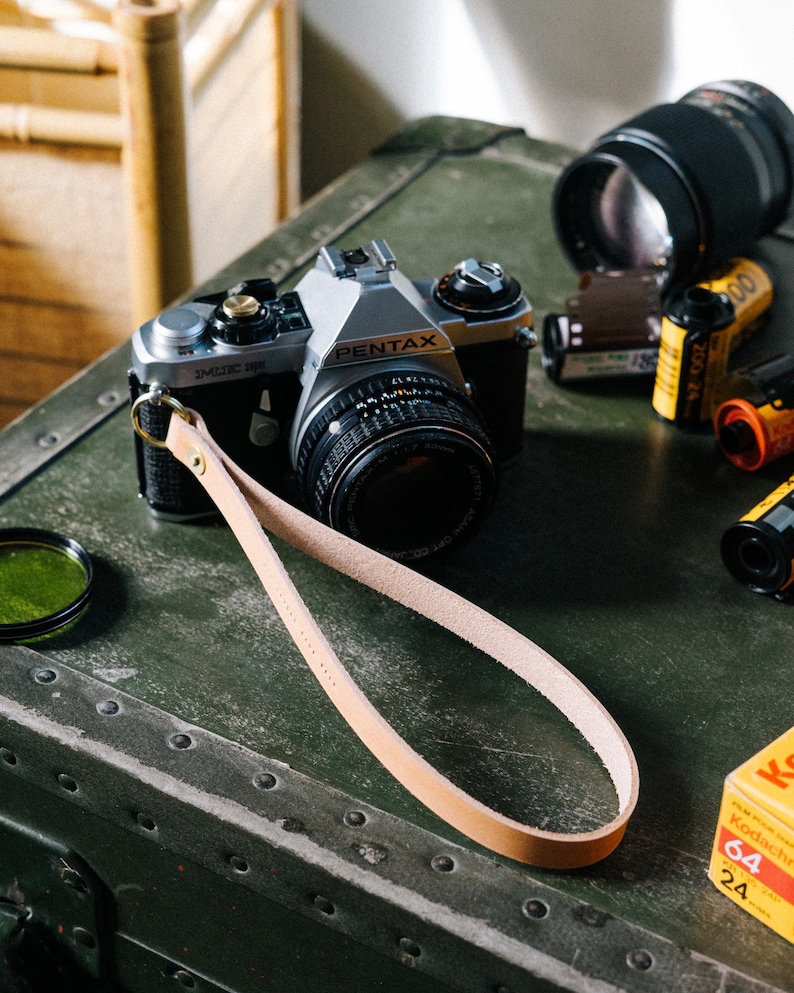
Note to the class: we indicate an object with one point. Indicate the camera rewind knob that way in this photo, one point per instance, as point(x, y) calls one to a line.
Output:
point(478, 288)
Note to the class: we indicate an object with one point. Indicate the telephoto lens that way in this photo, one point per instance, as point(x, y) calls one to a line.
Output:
point(682, 187)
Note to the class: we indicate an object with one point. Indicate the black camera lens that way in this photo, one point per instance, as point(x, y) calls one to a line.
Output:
point(682, 187)
point(400, 462)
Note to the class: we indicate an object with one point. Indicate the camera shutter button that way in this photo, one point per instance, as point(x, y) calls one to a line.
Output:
point(243, 320)
point(240, 306)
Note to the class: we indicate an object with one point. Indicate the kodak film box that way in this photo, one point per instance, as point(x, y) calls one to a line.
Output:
point(752, 861)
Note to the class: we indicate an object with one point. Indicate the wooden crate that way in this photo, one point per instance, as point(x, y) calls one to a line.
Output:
point(71, 283)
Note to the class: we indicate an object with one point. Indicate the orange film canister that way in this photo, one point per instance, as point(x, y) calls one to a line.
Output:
point(751, 436)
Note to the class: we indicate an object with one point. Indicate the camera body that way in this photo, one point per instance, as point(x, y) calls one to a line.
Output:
point(380, 404)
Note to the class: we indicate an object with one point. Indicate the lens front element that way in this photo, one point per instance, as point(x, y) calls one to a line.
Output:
point(400, 462)
point(633, 223)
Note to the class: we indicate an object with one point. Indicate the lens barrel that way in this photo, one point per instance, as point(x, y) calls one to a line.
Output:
point(682, 187)
point(401, 462)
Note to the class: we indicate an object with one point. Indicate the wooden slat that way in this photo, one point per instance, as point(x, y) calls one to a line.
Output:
point(155, 157)
point(73, 333)
point(40, 48)
point(236, 178)
point(29, 122)
point(288, 61)
point(10, 410)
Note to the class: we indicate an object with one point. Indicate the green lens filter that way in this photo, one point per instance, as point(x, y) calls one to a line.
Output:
point(45, 582)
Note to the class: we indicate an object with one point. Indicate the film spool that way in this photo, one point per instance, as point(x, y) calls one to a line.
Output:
point(46, 580)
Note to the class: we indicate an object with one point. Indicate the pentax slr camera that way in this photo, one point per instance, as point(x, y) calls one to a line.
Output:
point(383, 406)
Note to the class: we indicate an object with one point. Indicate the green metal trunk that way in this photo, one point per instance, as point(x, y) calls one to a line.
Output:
point(180, 805)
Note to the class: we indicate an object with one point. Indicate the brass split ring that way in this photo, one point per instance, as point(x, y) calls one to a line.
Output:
point(156, 397)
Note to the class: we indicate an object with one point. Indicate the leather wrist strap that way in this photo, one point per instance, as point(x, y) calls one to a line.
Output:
point(248, 508)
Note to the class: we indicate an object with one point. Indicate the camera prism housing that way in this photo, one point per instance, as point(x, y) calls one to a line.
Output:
point(382, 405)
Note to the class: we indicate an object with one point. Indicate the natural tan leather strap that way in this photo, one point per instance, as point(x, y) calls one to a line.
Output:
point(248, 507)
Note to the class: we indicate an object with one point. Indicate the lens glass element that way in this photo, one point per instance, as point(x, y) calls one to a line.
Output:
point(633, 222)
point(401, 463)
point(45, 582)
point(413, 494)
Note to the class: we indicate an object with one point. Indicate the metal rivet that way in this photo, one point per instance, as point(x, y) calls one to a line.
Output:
point(196, 461)
point(238, 864)
point(45, 676)
point(442, 863)
point(535, 909)
point(84, 937)
point(640, 960)
point(48, 440)
point(180, 741)
point(67, 783)
point(355, 818)
point(409, 947)
point(8, 756)
point(183, 977)
point(109, 398)
point(323, 905)
point(108, 707)
point(145, 821)
point(265, 781)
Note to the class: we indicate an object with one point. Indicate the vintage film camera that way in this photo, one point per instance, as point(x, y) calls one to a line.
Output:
point(382, 405)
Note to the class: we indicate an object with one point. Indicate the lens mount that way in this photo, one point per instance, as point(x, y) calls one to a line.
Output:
point(682, 187)
point(400, 462)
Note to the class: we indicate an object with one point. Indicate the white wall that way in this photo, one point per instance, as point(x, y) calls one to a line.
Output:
point(564, 70)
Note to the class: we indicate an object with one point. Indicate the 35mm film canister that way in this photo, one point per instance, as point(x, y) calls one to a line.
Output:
point(751, 436)
point(758, 550)
point(610, 328)
point(701, 328)
point(757, 426)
